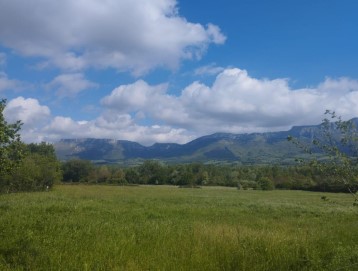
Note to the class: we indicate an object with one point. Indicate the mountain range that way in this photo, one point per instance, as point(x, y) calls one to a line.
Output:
point(254, 148)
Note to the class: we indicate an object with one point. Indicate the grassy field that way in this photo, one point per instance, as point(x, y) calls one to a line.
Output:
point(168, 228)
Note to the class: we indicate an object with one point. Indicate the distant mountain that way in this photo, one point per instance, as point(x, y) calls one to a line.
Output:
point(254, 148)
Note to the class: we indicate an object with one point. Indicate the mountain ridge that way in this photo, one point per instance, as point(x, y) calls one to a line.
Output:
point(247, 148)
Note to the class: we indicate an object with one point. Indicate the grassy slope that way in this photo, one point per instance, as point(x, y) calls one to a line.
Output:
point(166, 228)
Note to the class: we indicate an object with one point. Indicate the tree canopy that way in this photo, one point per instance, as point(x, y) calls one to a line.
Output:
point(10, 144)
point(32, 167)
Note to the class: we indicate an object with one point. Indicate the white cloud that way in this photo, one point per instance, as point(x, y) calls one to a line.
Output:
point(113, 121)
point(141, 98)
point(236, 102)
point(113, 126)
point(29, 111)
point(69, 85)
point(215, 34)
point(130, 35)
point(134, 96)
point(63, 126)
point(10, 84)
point(211, 69)
point(242, 101)
point(33, 116)
point(39, 125)
point(2, 59)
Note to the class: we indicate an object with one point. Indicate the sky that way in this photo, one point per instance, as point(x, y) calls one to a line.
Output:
point(171, 71)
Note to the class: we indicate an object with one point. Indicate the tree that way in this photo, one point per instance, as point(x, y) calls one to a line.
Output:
point(38, 170)
point(103, 174)
point(118, 176)
point(132, 176)
point(152, 172)
point(337, 142)
point(11, 148)
point(36, 173)
point(24, 167)
point(44, 156)
point(77, 170)
point(265, 183)
point(10, 142)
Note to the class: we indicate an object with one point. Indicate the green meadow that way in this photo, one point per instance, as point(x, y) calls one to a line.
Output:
point(83, 227)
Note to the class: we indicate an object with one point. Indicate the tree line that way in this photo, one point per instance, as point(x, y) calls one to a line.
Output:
point(35, 167)
point(152, 172)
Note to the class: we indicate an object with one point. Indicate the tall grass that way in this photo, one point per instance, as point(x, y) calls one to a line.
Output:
point(167, 228)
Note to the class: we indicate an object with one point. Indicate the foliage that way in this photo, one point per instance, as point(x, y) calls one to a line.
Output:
point(132, 176)
point(265, 183)
point(77, 170)
point(10, 146)
point(299, 177)
point(24, 167)
point(38, 170)
point(152, 172)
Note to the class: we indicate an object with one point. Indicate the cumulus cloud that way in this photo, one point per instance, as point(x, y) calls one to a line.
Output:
point(69, 85)
point(129, 35)
point(10, 84)
point(33, 116)
point(40, 125)
point(2, 59)
point(142, 99)
point(235, 102)
point(133, 96)
point(211, 69)
point(29, 111)
point(113, 126)
point(215, 34)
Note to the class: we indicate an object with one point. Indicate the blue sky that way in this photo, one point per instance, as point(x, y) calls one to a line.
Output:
point(170, 71)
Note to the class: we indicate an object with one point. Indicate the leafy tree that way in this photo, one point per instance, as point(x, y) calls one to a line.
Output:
point(152, 172)
point(43, 154)
point(132, 176)
point(118, 177)
point(36, 172)
point(10, 143)
point(77, 170)
point(42, 148)
point(103, 174)
point(11, 148)
point(186, 178)
point(23, 167)
point(203, 178)
point(265, 183)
